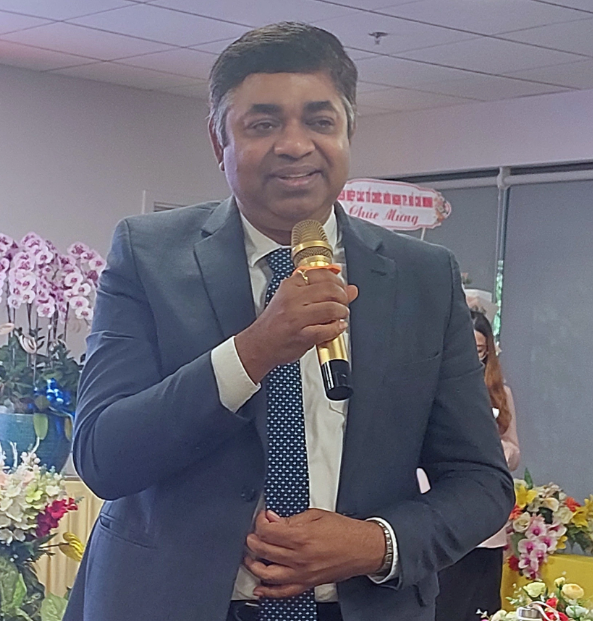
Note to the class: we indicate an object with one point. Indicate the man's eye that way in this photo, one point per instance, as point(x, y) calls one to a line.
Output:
point(263, 126)
point(322, 124)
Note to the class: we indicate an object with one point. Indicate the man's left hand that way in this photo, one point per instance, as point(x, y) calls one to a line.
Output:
point(294, 554)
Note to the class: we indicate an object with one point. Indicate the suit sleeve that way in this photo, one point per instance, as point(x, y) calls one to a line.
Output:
point(134, 427)
point(471, 492)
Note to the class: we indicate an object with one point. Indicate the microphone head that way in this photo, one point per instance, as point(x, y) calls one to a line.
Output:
point(310, 245)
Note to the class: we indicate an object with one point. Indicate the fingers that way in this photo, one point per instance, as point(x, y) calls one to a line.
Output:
point(284, 590)
point(270, 574)
point(269, 552)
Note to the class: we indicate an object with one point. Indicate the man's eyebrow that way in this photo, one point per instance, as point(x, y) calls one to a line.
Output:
point(263, 108)
point(318, 106)
point(275, 109)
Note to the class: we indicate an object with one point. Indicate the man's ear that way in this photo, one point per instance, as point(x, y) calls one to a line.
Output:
point(216, 146)
point(352, 132)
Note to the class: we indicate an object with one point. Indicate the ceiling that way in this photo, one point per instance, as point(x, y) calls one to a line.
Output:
point(435, 53)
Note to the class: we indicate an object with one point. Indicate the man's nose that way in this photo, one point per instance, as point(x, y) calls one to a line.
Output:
point(294, 141)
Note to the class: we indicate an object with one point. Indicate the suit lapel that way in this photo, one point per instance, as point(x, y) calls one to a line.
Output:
point(223, 262)
point(371, 336)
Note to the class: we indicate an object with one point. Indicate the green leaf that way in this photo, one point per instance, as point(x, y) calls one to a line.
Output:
point(528, 479)
point(41, 425)
point(53, 607)
point(12, 587)
point(68, 428)
point(41, 403)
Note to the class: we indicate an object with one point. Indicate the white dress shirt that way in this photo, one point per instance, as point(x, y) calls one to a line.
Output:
point(324, 419)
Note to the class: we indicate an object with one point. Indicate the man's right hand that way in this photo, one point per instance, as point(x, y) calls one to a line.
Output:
point(298, 317)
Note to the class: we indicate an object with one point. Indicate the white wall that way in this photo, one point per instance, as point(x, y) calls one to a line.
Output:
point(76, 155)
point(531, 130)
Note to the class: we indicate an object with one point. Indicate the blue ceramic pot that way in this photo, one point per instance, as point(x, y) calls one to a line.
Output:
point(52, 451)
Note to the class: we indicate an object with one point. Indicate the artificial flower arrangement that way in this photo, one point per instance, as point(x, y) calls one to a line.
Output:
point(33, 500)
point(38, 375)
point(542, 522)
point(564, 603)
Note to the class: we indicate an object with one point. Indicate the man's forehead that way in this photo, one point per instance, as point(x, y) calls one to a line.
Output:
point(285, 94)
point(281, 89)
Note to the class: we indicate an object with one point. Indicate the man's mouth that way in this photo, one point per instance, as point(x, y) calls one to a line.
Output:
point(297, 179)
point(298, 175)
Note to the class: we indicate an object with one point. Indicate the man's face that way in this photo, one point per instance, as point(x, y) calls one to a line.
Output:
point(288, 153)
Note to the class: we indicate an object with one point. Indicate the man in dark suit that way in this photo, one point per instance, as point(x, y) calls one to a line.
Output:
point(235, 489)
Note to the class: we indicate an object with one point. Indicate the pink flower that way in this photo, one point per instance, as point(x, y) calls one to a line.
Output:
point(84, 313)
point(93, 276)
point(24, 261)
point(97, 264)
point(43, 256)
point(537, 528)
point(88, 256)
point(31, 240)
point(16, 289)
point(79, 302)
point(26, 280)
point(67, 263)
point(6, 243)
point(73, 278)
point(84, 289)
point(77, 249)
point(4, 265)
point(28, 296)
point(14, 301)
point(46, 309)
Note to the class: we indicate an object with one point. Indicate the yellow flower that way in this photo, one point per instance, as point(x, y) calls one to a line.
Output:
point(572, 591)
point(535, 589)
point(551, 503)
point(524, 496)
point(561, 545)
point(589, 506)
point(579, 517)
point(72, 546)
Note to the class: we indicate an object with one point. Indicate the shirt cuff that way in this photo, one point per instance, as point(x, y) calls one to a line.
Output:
point(394, 564)
point(235, 387)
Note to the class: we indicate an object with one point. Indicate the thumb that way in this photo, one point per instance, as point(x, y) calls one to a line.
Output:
point(273, 516)
point(352, 291)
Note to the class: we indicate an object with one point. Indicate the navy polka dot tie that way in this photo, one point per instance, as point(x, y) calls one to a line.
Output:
point(286, 487)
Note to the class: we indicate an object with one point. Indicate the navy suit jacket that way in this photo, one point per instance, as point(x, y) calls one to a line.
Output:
point(182, 475)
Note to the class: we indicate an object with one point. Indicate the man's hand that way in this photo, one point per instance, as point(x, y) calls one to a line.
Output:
point(298, 317)
point(311, 548)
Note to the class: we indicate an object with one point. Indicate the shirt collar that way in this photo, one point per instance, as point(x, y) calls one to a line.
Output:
point(258, 245)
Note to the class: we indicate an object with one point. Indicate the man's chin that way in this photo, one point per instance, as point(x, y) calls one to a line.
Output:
point(295, 210)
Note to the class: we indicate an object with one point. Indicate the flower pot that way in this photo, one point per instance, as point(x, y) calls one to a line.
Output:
point(52, 451)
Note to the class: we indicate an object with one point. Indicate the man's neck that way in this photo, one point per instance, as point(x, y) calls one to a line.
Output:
point(280, 236)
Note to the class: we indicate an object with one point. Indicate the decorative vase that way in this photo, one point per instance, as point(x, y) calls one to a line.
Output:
point(19, 429)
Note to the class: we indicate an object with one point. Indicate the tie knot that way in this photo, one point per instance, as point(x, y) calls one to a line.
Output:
point(280, 263)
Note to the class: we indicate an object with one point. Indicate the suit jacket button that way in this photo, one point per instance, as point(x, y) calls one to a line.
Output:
point(248, 494)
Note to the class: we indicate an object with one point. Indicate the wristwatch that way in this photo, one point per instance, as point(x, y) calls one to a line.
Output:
point(385, 568)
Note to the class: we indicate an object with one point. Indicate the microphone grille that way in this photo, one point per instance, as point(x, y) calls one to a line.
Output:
point(311, 240)
point(308, 231)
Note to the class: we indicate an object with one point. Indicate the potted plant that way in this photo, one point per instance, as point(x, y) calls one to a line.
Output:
point(542, 522)
point(33, 500)
point(565, 602)
point(43, 292)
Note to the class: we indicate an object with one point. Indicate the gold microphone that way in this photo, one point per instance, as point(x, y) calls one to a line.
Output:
point(310, 249)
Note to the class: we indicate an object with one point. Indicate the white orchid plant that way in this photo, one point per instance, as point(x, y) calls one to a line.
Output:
point(49, 291)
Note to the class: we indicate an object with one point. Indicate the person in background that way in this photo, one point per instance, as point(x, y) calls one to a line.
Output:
point(474, 581)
